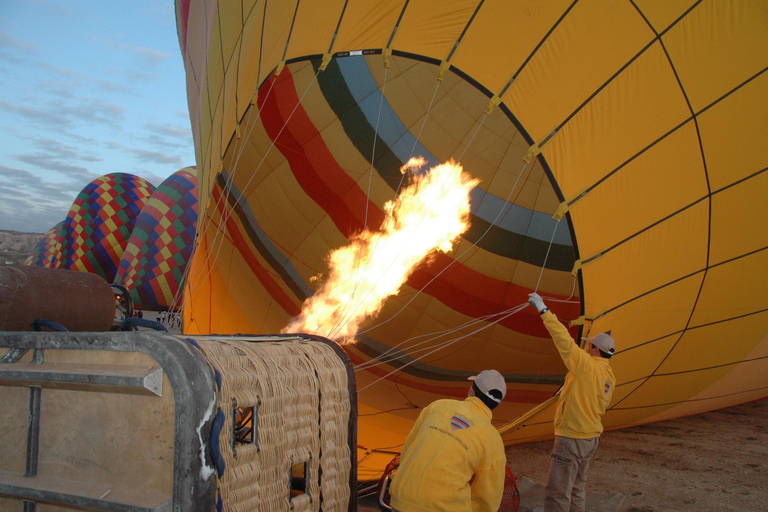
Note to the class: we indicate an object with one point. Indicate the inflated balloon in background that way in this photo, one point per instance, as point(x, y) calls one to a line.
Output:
point(49, 250)
point(154, 265)
point(100, 222)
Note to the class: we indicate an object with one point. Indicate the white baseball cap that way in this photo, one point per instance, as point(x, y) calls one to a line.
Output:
point(488, 380)
point(603, 341)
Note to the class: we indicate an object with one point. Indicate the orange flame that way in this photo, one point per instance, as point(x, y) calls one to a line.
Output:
point(431, 213)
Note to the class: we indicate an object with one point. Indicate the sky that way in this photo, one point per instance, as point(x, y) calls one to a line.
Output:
point(87, 88)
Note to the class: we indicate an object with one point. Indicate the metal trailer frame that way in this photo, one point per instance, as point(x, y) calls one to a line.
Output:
point(194, 390)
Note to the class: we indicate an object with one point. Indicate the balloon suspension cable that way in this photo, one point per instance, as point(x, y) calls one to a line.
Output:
point(444, 345)
point(426, 116)
point(380, 360)
point(482, 120)
point(546, 256)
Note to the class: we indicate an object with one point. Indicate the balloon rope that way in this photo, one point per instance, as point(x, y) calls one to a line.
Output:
point(426, 116)
point(373, 150)
point(444, 345)
point(473, 136)
point(434, 335)
point(546, 256)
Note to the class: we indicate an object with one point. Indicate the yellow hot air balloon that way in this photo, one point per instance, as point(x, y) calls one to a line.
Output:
point(639, 125)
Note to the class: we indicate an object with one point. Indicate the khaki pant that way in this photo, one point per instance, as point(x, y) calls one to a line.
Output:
point(568, 474)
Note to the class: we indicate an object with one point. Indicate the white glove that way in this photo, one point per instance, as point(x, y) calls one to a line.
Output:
point(536, 301)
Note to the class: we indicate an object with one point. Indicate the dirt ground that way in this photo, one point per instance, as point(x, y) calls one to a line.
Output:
point(713, 461)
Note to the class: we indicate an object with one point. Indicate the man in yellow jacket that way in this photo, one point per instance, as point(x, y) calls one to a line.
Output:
point(585, 395)
point(453, 459)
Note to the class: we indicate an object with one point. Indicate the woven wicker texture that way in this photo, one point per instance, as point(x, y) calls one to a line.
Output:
point(299, 391)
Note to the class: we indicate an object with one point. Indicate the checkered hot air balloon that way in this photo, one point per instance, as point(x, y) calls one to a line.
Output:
point(158, 251)
point(48, 252)
point(100, 222)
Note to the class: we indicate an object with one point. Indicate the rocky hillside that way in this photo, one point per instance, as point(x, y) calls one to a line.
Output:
point(16, 246)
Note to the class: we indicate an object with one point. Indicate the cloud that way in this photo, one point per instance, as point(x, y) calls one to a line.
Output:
point(169, 130)
point(91, 110)
point(148, 55)
point(53, 156)
point(38, 115)
point(147, 156)
point(155, 157)
point(29, 203)
point(14, 51)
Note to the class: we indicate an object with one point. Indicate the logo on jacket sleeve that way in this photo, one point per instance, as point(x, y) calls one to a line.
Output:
point(607, 387)
point(457, 422)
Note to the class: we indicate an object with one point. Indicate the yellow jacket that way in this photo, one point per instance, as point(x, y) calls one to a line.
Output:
point(588, 386)
point(451, 444)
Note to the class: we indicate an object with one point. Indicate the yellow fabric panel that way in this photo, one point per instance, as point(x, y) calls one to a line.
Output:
point(314, 28)
point(667, 252)
point(662, 14)
point(204, 152)
point(554, 282)
point(250, 75)
point(698, 406)
point(367, 24)
point(737, 288)
point(524, 189)
point(197, 290)
point(230, 107)
point(651, 317)
point(313, 250)
point(218, 145)
point(234, 313)
point(622, 391)
point(748, 375)
point(494, 64)
point(745, 382)
point(277, 28)
point(431, 27)
point(718, 46)
point(738, 223)
point(447, 125)
point(664, 179)
point(731, 133)
point(215, 70)
point(231, 21)
point(573, 63)
point(630, 366)
point(634, 110)
point(286, 225)
point(716, 345)
point(620, 418)
point(670, 390)
point(405, 80)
